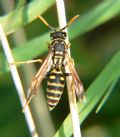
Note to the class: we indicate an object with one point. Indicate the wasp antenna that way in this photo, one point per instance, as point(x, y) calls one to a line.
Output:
point(45, 22)
point(70, 22)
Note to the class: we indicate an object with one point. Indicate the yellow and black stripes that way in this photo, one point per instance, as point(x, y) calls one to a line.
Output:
point(58, 58)
point(55, 86)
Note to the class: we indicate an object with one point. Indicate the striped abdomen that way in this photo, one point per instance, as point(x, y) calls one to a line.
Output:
point(55, 86)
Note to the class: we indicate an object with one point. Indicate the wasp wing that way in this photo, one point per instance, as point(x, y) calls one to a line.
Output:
point(39, 76)
point(76, 81)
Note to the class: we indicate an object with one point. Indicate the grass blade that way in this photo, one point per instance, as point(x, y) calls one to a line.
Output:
point(107, 94)
point(22, 16)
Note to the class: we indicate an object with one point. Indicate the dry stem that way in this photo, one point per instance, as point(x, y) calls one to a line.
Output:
point(71, 92)
point(17, 83)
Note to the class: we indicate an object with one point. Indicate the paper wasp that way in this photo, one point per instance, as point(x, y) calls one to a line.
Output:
point(52, 67)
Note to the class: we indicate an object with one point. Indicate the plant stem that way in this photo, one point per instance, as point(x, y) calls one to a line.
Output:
point(71, 92)
point(17, 83)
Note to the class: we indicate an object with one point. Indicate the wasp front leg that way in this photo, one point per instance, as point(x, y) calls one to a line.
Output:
point(68, 45)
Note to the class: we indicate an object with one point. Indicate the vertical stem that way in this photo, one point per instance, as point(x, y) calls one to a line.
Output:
point(71, 92)
point(17, 83)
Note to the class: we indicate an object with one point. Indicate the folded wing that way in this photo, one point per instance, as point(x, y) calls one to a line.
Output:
point(76, 81)
point(45, 67)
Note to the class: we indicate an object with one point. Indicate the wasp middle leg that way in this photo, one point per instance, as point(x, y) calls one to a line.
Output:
point(26, 62)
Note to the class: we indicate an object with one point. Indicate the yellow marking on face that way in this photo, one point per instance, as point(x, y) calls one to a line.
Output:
point(55, 84)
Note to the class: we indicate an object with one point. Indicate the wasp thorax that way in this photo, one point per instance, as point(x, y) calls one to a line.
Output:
point(58, 34)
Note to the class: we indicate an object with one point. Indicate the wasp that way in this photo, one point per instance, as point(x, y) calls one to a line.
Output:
point(52, 67)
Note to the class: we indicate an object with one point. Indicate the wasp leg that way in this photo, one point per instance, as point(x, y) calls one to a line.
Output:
point(49, 45)
point(27, 102)
point(72, 61)
point(68, 45)
point(26, 62)
point(66, 74)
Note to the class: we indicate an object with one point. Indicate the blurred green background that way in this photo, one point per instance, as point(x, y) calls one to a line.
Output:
point(94, 38)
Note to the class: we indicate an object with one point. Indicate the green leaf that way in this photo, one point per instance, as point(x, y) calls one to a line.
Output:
point(97, 16)
point(100, 14)
point(107, 94)
point(20, 53)
point(24, 15)
point(93, 94)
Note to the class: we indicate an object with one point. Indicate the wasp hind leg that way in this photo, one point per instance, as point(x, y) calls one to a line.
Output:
point(30, 95)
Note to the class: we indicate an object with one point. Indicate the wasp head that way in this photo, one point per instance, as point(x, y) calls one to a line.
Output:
point(58, 34)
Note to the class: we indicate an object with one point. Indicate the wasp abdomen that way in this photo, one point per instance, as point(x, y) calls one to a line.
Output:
point(55, 86)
